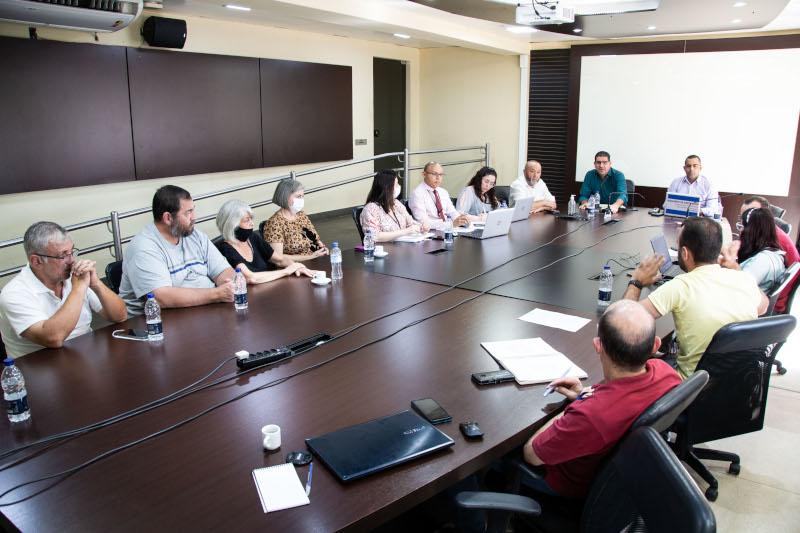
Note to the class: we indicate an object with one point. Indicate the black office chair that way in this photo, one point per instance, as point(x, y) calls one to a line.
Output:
point(777, 212)
point(789, 278)
point(261, 227)
point(114, 275)
point(640, 487)
point(357, 218)
point(663, 412)
point(739, 362)
point(630, 187)
point(783, 225)
point(503, 193)
point(216, 241)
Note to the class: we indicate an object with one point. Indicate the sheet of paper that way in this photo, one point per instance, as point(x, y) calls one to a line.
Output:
point(552, 319)
point(414, 238)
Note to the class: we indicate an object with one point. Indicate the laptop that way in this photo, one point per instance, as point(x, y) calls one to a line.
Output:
point(522, 209)
point(364, 449)
point(498, 222)
point(669, 269)
point(678, 205)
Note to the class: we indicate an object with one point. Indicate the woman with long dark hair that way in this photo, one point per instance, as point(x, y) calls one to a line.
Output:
point(758, 252)
point(478, 197)
point(383, 215)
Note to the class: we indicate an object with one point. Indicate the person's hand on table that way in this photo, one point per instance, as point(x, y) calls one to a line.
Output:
point(302, 270)
point(225, 291)
point(648, 270)
point(568, 386)
point(319, 253)
point(424, 227)
point(461, 221)
point(413, 229)
point(614, 208)
point(584, 206)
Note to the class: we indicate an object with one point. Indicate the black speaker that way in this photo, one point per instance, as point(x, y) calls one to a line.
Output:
point(164, 32)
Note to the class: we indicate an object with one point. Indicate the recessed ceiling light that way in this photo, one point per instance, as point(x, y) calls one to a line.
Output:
point(521, 29)
point(651, 27)
point(240, 8)
point(577, 30)
point(736, 21)
point(402, 36)
point(740, 4)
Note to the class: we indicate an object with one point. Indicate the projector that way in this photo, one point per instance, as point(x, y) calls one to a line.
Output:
point(557, 14)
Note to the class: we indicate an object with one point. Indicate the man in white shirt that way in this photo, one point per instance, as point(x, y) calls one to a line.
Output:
point(695, 184)
point(531, 184)
point(52, 298)
point(431, 204)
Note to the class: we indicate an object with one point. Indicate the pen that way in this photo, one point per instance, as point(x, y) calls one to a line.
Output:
point(308, 483)
point(551, 389)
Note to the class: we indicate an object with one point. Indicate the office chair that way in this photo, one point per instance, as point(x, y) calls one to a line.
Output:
point(663, 412)
point(777, 212)
point(789, 278)
point(503, 193)
point(739, 362)
point(216, 241)
point(629, 188)
point(641, 487)
point(783, 225)
point(261, 227)
point(357, 218)
point(114, 275)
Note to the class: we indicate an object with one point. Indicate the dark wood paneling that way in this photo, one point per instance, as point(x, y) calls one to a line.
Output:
point(65, 118)
point(193, 113)
point(307, 113)
point(389, 107)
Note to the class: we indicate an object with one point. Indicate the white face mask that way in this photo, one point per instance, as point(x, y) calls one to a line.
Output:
point(397, 191)
point(297, 205)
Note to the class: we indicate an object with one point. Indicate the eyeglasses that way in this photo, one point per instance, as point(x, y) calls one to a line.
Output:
point(73, 253)
point(436, 174)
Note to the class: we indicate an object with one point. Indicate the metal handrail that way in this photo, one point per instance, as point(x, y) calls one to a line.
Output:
point(115, 217)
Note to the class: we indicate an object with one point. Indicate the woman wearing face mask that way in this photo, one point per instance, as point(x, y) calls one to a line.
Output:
point(247, 250)
point(383, 215)
point(289, 231)
point(478, 197)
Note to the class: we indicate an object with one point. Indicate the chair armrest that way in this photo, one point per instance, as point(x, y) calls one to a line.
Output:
point(498, 501)
point(536, 472)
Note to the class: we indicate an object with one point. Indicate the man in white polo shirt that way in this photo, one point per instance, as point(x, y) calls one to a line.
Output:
point(531, 184)
point(52, 298)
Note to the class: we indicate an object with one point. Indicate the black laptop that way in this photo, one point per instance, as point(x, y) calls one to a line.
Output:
point(376, 445)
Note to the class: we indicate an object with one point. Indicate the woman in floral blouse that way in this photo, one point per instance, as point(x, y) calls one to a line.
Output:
point(383, 215)
point(289, 231)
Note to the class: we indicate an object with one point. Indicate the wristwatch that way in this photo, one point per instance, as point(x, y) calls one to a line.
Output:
point(636, 283)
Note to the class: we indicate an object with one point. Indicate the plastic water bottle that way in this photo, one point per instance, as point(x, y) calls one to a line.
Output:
point(239, 290)
point(152, 314)
point(504, 205)
point(14, 392)
point(369, 247)
point(448, 230)
point(590, 207)
point(336, 262)
point(606, 284)
point(572, 207)
point(597, 199)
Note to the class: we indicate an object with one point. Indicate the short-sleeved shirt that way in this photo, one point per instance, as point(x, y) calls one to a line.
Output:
point(521, 189)
point(262, 252)
point(792, 257)
point(152, 262)
point(375, 219)
point(575, 444)
point(701, 302)
point(25, 301)
point(614, 182)
point(297, 236)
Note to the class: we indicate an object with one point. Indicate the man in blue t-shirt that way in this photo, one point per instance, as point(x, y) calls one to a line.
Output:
point(610, 182)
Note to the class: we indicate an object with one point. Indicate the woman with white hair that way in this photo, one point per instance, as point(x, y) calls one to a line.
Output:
point(247, 250)
point(289, 231)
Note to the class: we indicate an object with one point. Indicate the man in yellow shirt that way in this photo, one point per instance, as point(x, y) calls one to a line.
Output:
point(705, 298)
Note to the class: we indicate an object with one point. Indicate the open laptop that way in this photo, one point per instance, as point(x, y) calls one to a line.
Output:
point(669, 269)
point(678, 205)
point(498, 222)
point(522, 209)
point(376, 445)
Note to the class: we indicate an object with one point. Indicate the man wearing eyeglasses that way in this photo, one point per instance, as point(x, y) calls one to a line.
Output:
point(431, 204)
point(52, 298)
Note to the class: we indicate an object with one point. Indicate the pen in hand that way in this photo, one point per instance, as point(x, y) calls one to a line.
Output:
point(552, 387)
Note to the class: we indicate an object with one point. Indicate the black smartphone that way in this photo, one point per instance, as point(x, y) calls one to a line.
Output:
point(438, 251)
point(490, 378)
point(132, 334)
point(431, 411)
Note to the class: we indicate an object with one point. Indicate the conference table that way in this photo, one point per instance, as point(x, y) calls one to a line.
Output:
point(420, 337)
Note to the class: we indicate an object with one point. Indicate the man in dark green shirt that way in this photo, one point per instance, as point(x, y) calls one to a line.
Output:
point(610, 182)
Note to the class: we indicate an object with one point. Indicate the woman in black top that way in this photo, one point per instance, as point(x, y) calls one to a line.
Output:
point(246, 249)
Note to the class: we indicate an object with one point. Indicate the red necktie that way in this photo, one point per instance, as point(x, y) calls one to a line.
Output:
point(438, 205)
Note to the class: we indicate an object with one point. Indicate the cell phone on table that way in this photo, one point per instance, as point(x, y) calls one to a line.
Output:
point(431, 411)
point(438, 251)
point(490, 378)
point(131, 334)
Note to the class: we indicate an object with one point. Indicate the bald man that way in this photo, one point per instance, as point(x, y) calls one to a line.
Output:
point(430, 204)
point(531, 184)
point(573, 444)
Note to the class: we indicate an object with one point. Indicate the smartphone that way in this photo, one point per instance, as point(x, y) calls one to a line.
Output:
point(132, 334)
point(438, 251)
point(489, 378)
point(431, 411)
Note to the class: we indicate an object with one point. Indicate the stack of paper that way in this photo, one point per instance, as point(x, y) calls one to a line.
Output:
point(414, 238)
point(532, 360)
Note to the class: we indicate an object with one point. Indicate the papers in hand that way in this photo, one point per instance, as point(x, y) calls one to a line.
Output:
point(555, 320)
point(279, 487)
point(532, 360)
point(414, 238)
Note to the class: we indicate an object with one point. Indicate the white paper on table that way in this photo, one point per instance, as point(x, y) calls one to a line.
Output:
point(552, 319)
point(414, 238)
point(532, 360)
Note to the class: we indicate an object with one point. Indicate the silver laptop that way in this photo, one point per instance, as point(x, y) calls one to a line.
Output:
point(522, 208)
point(669, 269)
point(497, 223)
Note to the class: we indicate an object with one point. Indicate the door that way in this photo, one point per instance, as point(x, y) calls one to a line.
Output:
point(389, 110)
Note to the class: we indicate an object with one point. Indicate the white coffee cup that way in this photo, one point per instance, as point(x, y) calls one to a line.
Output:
point(271, 437)
point(319, 275)
point(379, 250)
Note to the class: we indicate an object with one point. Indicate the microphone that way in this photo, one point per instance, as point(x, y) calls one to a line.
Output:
point(628, 193)
point(709, 199)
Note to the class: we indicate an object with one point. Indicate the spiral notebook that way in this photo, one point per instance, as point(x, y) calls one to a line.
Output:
point(279, 487)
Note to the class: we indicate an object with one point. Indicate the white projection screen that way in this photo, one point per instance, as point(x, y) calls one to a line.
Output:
point(737, 110)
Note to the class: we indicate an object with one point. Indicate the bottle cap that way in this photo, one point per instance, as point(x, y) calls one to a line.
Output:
point(238, 269)
point(150, 295)
point(369, 231)
point(607, 267)
point(8, 362)
point(336, 244)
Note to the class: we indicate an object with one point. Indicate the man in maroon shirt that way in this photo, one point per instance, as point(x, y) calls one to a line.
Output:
point(573, 444)
point(792, 256)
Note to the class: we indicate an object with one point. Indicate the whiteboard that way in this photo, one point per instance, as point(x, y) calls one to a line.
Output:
point(737, 110)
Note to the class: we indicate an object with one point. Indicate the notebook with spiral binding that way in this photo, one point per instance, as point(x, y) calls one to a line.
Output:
point(279, 487)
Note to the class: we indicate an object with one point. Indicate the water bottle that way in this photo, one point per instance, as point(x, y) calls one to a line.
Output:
point(504, 205)
point(336, 262)
point(572, 207)
point(369, 247)
point(606, 284)
point(14, 392)
point(607, 215)
point(590, 207)
point(597, 199)
point(239, 290)
point(152, 314)
point(448, 230)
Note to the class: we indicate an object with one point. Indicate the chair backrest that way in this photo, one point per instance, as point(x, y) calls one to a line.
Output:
point(664, 411)
point(783, 225)
point(261, 227)
point(643, 486)
point(357, 218)
point(629, 188)
point(216, 241)
point(777, 212)
point(114, 275)
point(790, 298)
point(739, 364)
point(787, 278)
point(503, 193)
